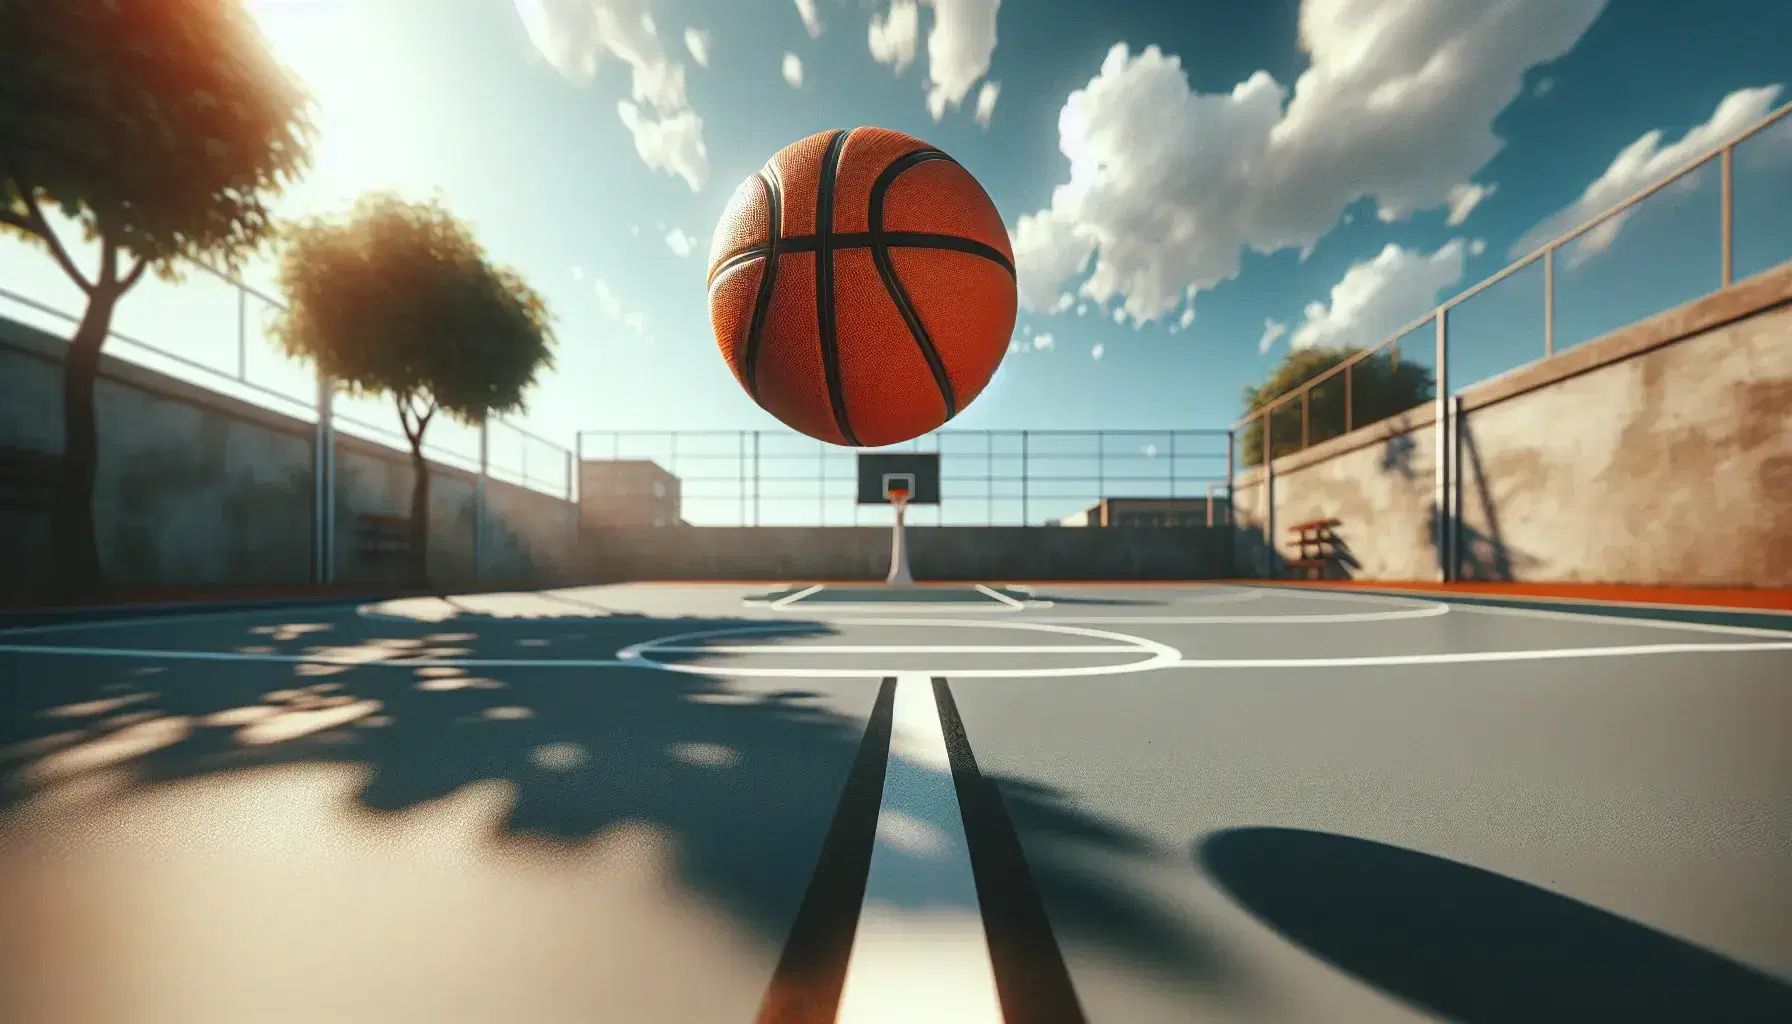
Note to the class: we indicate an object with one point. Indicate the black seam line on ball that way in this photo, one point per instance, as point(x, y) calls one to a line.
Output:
point(862, 240)
point(880, 254)
point(767, 278)
point(824, 284)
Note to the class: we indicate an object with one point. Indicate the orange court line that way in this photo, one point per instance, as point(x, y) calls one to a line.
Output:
point(1753, 599)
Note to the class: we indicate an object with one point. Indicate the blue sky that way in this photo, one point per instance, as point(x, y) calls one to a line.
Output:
point(1295, 164)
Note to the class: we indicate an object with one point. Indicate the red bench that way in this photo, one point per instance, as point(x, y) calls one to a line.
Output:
point(1318, 546)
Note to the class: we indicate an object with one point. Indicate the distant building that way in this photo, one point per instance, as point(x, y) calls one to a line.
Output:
point(627, 492)
point(1147, 512)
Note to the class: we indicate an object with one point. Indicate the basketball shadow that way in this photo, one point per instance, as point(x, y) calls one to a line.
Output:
point(1474, 946)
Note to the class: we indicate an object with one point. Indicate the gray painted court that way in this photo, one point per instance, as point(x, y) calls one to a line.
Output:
point(606, 803)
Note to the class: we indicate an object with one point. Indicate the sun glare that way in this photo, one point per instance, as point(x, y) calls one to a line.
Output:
point(360, 76)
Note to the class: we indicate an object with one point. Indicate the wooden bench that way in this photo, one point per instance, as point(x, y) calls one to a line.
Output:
point(28, 479)
point(382, 538)
point(1318, 547)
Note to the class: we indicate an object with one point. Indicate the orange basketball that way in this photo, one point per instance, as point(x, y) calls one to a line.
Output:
point(861, 287)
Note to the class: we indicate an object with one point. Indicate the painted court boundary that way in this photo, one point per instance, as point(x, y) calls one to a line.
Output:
point(858, 952)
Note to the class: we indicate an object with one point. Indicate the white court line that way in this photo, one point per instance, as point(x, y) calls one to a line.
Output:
point(1394, 616)
point(1472, 657)
point(789, 599)
point(999, 596)
point(894, 649)
point(1160, 654)
point(919, 952)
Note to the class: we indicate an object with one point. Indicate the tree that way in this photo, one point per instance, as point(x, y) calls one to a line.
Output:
point(163, 128)
point(398, 299)
point(1379, 388)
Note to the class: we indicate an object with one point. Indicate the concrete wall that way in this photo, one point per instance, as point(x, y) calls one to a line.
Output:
point(1659, 454)
point(198, 489)
point(982, 553)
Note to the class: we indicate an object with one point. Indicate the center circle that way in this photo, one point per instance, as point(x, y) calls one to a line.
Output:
point(1159, 655)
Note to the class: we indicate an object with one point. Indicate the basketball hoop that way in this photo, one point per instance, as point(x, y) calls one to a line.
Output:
point(898, 497)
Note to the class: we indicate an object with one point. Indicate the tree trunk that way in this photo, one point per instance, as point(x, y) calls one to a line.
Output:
point(73, 542)
point(419, 575)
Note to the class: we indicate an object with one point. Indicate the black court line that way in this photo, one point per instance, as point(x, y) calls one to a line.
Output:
point(1031, 979)
point(811, 972)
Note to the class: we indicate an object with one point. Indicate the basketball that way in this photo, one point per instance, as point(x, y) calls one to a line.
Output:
point(861, 287)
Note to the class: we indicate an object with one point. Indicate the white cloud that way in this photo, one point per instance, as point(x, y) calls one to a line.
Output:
point(673, 144)
point(1272, 331)
point(986, 102)
point(960, 43)
point(1464, 199)
point(1187, 317)
point(697, 43)
point(578, 273)
point(1167, 186)
point(1065, 301)
point(793, 71)
point(1119, 314)
point(811, 19)
point(635, 230)
point(1042, 341)
point(680, 243)
point(1150, 451)
point(1082, 308)
point(574, 36)
point(1026, 329)
point(1377, 297)
point(893, 35)
point(1639, 165)
point(1544, 87)
point(1477, 247)
point(1097, 351)
point(610, 305)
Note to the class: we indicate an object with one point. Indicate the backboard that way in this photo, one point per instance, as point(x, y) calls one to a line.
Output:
point(920, 471)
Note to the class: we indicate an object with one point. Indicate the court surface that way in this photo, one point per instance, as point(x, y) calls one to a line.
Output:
point(690, 803)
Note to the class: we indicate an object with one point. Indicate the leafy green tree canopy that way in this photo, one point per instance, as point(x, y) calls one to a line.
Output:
point(163, 127)
point(399, 299)
point(1379, 387)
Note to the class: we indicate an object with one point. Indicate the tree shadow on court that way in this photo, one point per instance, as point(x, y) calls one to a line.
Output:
point(1473, 946)
point(743, 778)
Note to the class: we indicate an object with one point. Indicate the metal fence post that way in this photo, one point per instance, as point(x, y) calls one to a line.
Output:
point(1441, 494)
point(1231, 528)
point(1269, 498)
point(323, 513)
point(242, 334)
point(1727, 233)
point(479, 501)
point(1025, 471)
point(1172, 464)
point(1101, 466)
point(1549, 301)
point(1455, 487)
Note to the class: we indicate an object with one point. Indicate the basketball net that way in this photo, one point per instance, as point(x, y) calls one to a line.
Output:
point(899, 574)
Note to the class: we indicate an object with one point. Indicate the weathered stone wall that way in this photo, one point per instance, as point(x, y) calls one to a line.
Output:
point(1660, 454)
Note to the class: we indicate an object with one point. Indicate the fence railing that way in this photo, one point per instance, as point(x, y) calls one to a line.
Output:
point(1258, 428)
point(538, 463)
point(987, 477)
